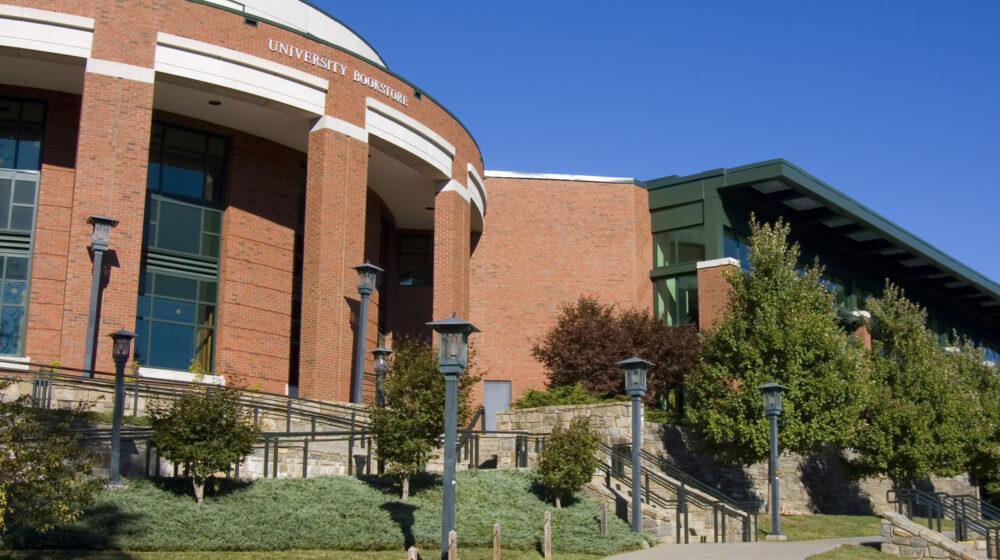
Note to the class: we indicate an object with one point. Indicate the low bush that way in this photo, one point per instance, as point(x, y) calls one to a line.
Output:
point(332, 513)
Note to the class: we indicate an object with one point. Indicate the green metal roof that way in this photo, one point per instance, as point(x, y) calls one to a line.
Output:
point(812, 206)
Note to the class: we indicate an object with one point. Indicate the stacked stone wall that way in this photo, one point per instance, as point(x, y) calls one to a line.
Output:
point(808, 484)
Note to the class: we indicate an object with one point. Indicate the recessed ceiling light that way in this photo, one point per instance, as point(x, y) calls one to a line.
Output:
point(214, 102)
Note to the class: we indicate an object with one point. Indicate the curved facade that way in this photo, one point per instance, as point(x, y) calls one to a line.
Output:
point(251, 156)
point(254, 152)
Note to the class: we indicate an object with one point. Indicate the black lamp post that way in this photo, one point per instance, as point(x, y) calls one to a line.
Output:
point(381, 356)
point(772, 408)
point(635, 385)
point(367, 275)
point(453, 355)
point(120, 352)
point(99, 237)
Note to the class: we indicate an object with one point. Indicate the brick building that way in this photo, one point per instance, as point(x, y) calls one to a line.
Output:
point(251, 156)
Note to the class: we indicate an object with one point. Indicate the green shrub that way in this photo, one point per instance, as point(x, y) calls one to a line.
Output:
point(205, 432)
point(555, 396)
point(568, 461)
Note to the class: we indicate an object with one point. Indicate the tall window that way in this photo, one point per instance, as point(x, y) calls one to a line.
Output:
point(676, 299)
point(737, 247)
point(416, 260)
point(678, 246)
point(178, 289)
point(21, 125)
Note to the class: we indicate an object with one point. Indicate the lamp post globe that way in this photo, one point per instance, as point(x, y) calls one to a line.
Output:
point(453, 356)
point(121, 349)
point(771, 393)
point(367, 278)
point(635, 385)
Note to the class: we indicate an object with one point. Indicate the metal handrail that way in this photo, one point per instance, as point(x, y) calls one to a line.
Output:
point(968, 513)
point(43, 377)
point(721, 509)
point(691, 482)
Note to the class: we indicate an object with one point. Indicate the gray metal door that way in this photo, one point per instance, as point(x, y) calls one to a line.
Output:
point(496, 396)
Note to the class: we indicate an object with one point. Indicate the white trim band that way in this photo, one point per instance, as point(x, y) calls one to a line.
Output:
point(242, 59)
point(556, 177)
point(14, 363)
point(326, 122)
point(61, 19)
point(724, 261)
point(455, 186)
point(120, 70)
point(186, 376)
point(411, 123)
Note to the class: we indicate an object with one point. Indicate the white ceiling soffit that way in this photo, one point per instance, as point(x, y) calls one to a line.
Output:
point(251, 114)
point(304, 18)
point(407, 192)
point(46, 31)
point(42, 70)
point(212, 64)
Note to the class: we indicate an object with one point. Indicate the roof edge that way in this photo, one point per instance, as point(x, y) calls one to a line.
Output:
point(490, 173)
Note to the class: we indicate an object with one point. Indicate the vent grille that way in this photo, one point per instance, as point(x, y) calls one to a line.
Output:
point(802, 203)
point(863, 236)
point(768, 187)
point(15, 242)
point(168, 263)
point(836, 222)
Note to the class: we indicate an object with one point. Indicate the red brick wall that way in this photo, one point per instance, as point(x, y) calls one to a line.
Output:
point(52, 222)
point(263, 190)
point(713, 294)
point(108, 175)
point(547, 243)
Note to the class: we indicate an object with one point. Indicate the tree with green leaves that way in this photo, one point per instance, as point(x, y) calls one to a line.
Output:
point(568, 461)
point(982, 390)
point(781, 326)
point(590, 337)
point(44, 473)
point(205, 432)
point(409, 428)
point(918, 409)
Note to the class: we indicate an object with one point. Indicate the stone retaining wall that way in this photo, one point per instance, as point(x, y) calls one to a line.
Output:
point(809, 484)
point(907, 539)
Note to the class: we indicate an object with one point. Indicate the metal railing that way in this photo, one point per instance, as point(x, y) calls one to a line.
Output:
point(968, 512)
point(723, 510)
point(44, 379)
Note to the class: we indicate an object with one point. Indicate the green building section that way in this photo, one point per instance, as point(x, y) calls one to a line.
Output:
point(706, 216)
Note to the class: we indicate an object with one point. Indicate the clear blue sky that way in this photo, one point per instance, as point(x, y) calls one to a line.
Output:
point(893, 103)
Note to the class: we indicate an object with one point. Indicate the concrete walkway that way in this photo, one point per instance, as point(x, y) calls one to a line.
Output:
point(788, 550)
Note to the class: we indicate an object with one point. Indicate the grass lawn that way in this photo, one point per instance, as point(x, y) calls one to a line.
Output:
point(813, 527)
point(464, 553)
point(329, 514)
point(850, 552)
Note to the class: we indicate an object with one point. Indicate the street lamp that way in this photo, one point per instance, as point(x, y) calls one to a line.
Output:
point(453, 355)
point(772, 408)
point(381, 356)
point(99, 237)
point(635, 385)
point(367, 274)
point(120, 352)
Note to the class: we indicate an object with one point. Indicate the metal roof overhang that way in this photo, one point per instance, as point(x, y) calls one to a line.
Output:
point(828, 218)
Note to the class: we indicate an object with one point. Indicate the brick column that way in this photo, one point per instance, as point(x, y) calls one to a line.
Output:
point(713, 290)
point(336, 188)
point(451, 254)
point(111, 160)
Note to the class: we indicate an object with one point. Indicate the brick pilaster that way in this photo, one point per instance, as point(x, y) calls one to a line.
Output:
point(111, 160)
point(336, 187)
point(713, 290)
point(451, 255)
